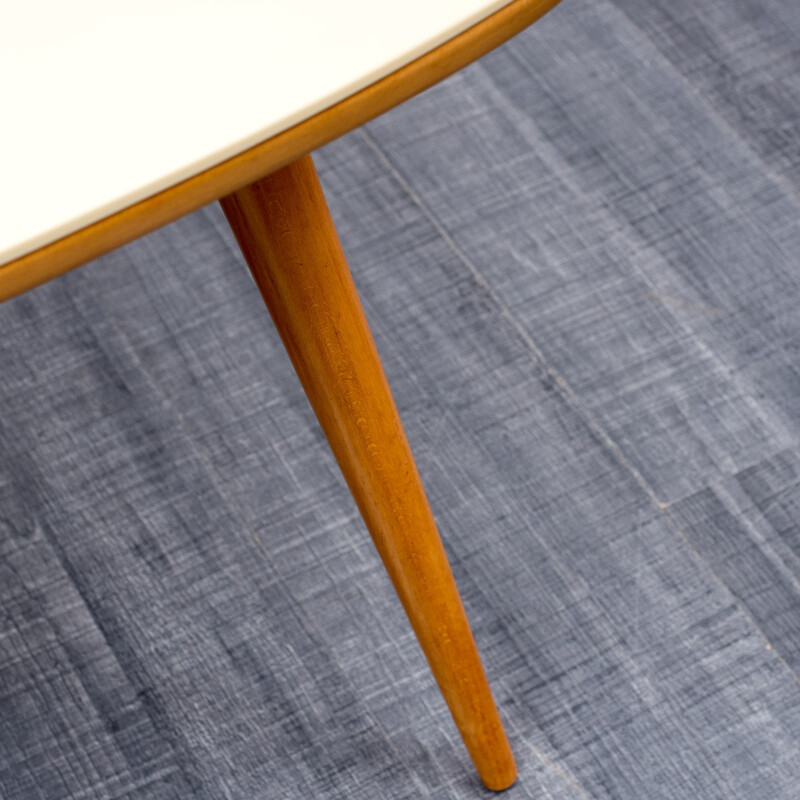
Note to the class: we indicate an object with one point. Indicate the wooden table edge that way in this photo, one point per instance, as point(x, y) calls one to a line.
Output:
point(62, 255)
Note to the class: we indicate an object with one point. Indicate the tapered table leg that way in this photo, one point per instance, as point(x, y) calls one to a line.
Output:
point(288, 238)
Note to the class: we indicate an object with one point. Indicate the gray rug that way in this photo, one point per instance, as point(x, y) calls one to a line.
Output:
point(581, 261)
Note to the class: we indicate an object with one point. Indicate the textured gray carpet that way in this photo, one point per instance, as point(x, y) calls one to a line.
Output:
point(581, 261)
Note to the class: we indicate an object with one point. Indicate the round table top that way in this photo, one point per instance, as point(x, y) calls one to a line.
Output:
point(105, 103)
point(120, 116)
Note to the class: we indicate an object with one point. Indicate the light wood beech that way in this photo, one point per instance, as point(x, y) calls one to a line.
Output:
point(124, 226)
point(288, 239)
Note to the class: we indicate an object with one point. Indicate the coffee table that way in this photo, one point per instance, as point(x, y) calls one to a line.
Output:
point(122, 117)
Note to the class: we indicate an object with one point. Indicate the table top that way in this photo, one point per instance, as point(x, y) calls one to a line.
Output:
point(120, 116)
point(108, 102)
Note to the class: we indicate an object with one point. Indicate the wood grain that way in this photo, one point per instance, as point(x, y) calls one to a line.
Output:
point(47, 262)
point(288, 238)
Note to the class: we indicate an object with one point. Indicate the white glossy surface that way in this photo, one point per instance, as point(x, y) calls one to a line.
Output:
point(105, 102)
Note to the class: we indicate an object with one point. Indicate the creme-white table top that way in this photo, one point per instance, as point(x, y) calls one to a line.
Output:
point(105, 102)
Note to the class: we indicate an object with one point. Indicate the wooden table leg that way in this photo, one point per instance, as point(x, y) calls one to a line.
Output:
point(288, 238)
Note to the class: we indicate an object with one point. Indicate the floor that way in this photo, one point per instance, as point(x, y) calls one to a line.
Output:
point(581, 261)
